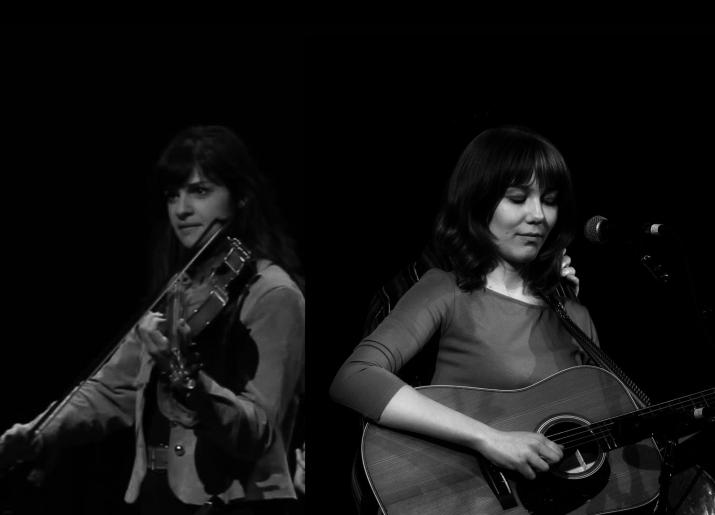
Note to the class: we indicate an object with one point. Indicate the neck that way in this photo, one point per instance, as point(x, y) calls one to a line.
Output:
point(506, 277)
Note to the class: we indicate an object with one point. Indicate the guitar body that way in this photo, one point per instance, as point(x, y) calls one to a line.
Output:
point(411, 474)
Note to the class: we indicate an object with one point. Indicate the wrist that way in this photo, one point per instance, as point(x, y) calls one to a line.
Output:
point(481, 437)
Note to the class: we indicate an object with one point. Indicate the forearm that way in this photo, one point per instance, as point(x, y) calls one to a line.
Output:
point(102, 404)
point(91, 413)
point(409, 410)
point(516, 450)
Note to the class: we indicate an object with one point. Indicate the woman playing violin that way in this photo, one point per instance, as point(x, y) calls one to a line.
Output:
point(220, 437)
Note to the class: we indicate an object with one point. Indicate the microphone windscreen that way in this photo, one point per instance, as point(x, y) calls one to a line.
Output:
point(593, 230)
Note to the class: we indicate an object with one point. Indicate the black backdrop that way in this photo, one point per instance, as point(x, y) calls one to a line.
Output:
point(359, 128)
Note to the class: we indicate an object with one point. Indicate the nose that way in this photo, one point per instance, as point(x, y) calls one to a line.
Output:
point(182, 206)
point(535, 213)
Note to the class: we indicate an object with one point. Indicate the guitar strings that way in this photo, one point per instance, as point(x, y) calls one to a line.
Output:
point(652, 409)
point(601, 429)
point(604, 435)
point(658, 407)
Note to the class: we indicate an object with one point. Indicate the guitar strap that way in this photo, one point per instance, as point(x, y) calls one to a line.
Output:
point(601, 359)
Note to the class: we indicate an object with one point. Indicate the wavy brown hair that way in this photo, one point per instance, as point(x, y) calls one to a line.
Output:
point(492, 162)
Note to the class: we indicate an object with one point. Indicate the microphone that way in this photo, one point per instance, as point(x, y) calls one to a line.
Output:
point(599, 230)
point(705, 412)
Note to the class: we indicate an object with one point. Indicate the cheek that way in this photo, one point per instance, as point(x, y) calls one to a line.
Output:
point(226, 210)
point(503, 220)
point(224, 205)
point(551, 214)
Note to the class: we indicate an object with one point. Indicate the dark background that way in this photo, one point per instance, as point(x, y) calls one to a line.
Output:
point(359, 128)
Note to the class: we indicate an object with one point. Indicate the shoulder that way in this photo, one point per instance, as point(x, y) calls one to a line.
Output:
point(435, 284)
point(273, 287)
point(271, 276)
point(439, 279)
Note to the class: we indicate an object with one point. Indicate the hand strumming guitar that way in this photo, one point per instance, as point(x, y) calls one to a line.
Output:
point(524, 452)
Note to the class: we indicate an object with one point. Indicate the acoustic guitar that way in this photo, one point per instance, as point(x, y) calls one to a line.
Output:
point(611, 463)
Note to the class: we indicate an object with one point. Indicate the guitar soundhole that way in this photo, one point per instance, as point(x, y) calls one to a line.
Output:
point(582, 455)
point(578, 477)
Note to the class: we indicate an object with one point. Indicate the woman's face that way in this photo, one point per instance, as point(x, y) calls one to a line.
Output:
point(195, 205)
point(522, 221)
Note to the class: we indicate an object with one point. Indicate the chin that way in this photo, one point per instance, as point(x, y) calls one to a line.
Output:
point(187, 243)
point(523, 259)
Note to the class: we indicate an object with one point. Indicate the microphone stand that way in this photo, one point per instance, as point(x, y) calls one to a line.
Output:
point(703, 313)
point(673, 464)
point(666, 475)
point(667, 442)
point(670, 464)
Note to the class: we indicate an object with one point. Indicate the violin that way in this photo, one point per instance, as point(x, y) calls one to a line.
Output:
point(235, 261)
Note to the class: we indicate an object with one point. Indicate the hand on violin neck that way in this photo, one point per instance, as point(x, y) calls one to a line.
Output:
point(173, 365)
point(160, 347)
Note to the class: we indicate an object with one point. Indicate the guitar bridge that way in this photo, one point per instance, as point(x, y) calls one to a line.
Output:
point(498, 483)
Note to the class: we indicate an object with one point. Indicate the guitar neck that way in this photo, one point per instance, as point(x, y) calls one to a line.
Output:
point(672, 418)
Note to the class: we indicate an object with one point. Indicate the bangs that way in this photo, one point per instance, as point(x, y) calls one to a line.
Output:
point(172, 177)
point(176, 166)
point(175, 169)
point(539, 161)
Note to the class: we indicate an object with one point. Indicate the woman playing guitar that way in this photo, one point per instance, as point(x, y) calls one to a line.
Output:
point(502, 232)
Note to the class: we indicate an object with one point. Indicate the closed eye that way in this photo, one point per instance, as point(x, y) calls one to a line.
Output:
point(550, 198)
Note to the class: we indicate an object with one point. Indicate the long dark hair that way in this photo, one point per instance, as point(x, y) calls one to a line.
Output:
point(492, 162)
point(223, 158)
